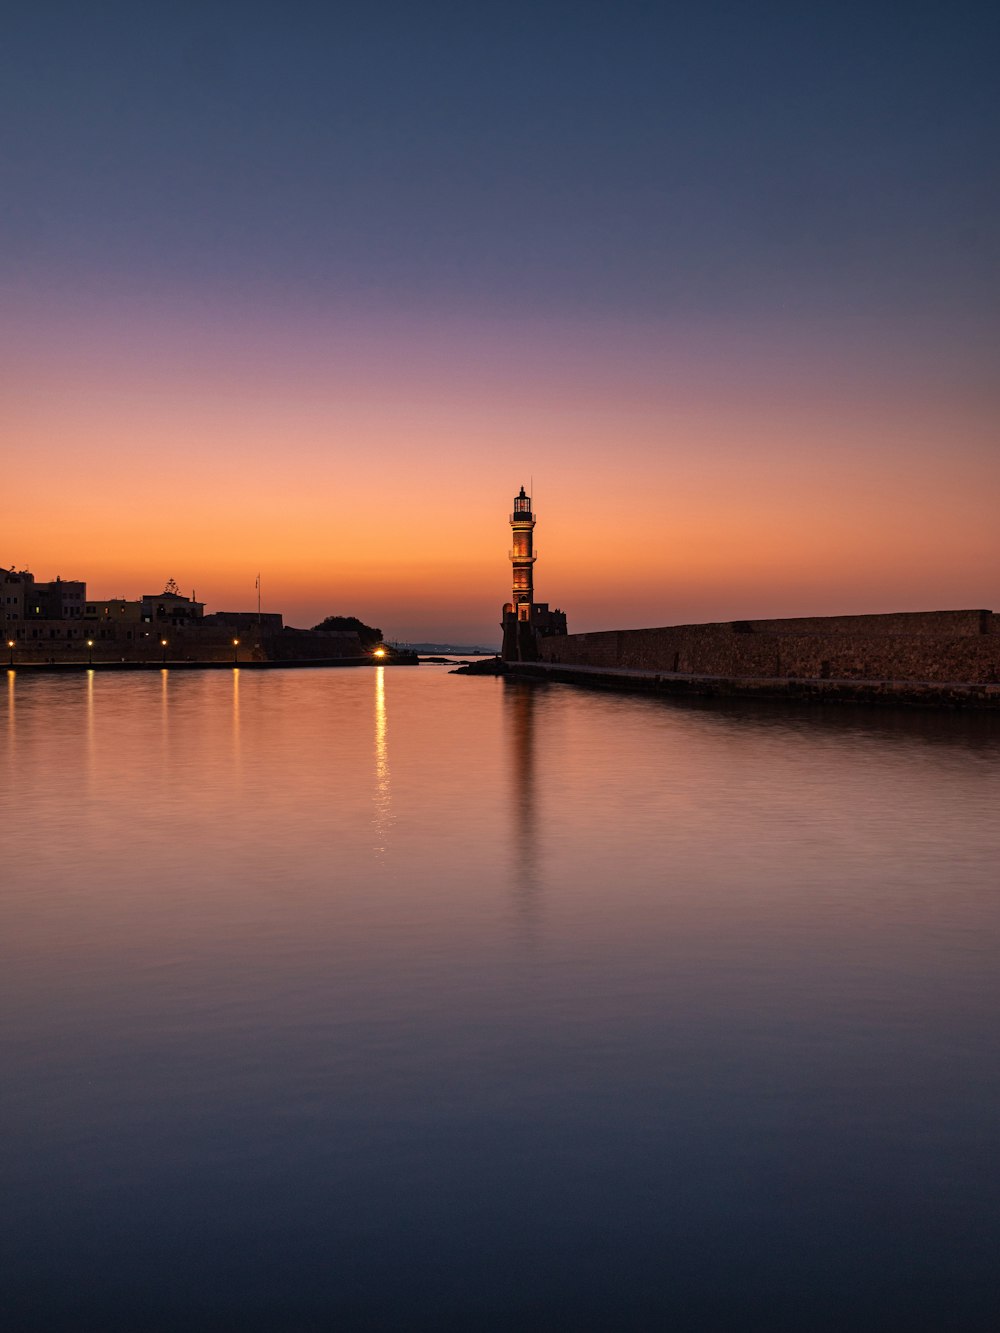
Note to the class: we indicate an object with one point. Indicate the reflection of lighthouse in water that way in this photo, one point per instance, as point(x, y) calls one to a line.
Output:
point(524, 619)
point(519, 710)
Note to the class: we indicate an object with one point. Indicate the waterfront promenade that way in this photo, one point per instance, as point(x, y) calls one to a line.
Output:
point(77, 668)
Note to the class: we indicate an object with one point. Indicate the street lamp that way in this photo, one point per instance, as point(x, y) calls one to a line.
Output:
point(10, 645)
point(90, 652)
point(379, 652)
point(163, 645)
point(236, 650)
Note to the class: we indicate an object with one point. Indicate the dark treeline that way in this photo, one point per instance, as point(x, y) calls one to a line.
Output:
point(368, 634)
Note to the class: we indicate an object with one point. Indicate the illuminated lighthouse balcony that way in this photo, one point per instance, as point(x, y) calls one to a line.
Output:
point(524, 556)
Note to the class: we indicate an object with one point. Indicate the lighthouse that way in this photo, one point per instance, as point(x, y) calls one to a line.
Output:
point(524, 619)
point(522, 556)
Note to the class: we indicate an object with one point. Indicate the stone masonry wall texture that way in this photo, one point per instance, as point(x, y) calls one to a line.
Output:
point(933, 646)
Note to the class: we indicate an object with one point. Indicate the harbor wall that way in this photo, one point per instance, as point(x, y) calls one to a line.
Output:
point(928, 646)
point(43, 642)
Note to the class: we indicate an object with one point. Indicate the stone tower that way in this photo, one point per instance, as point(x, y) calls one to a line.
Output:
point(522, 557)
point(524, 619)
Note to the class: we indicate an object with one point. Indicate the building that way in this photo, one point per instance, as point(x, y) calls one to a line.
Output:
point(48, 616)
point(15, 592)
point(170, 607)
point(117, 610)
point(62, 599)
point(160, 609)
point(524, 619)
point(45, 619)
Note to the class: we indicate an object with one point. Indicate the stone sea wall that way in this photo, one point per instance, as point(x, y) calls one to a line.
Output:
point(40, 642)
point(933, 646)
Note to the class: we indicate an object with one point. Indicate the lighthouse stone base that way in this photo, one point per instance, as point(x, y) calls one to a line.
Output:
point(521, 636)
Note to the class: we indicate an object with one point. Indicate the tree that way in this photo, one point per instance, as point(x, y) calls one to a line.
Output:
point(368, 635)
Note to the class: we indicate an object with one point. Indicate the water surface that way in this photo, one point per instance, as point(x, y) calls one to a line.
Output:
point(390, 999)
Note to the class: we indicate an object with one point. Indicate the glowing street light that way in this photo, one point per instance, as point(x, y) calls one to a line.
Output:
point(236, 650)
point(90, 652)
point(163, 645)
point(10, 645)
point(379, 652)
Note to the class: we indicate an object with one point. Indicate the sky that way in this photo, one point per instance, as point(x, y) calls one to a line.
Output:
point(311, 289)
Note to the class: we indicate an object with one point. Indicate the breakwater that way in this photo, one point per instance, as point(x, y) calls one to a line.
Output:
point(931, 659)
point(920, 694)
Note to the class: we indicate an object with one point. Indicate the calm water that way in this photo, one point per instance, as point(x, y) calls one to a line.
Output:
point(389, 999)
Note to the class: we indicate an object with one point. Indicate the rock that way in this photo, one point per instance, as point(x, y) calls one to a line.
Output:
point(489, 666)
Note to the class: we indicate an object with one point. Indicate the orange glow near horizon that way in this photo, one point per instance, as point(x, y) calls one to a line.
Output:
point(368, 471)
